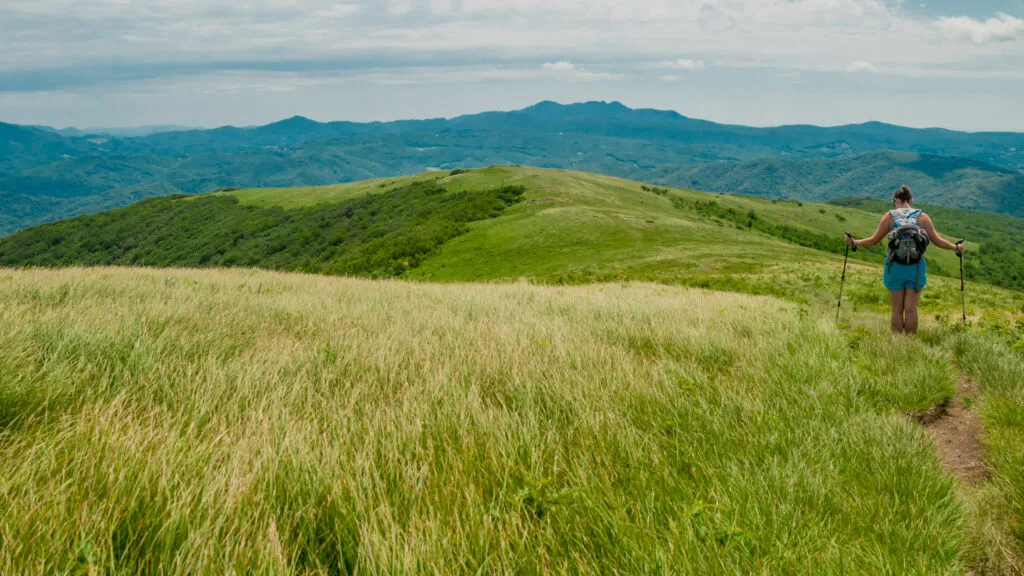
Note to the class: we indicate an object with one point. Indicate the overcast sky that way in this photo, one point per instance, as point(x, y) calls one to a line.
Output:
point(111, 63)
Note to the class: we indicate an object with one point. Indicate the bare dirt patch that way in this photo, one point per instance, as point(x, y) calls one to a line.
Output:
point(957, 433)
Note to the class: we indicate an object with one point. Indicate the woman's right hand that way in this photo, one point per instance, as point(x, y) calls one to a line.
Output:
point(850, 241)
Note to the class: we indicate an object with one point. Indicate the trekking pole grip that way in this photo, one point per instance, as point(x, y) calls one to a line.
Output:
point(850, 236)
point(960, 248)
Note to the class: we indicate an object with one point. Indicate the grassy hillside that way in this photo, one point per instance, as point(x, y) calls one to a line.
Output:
point(377, 235)
point(938, 180)
point(585, 412)
point(188, 421)
point(566, 227)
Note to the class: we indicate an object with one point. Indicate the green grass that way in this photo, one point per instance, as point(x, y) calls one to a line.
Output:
point(373, 235)
point(1000, 507)
point(543, 391)
point(303, 197)
point(569, 228)
point(253, 422)
point(572, 227)
point(578, 226)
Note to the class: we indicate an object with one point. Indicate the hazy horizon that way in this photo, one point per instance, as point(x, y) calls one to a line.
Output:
point(176, 127)
point(105, 63)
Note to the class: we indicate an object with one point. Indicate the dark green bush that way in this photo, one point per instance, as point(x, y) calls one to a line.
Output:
point(655, 190)
point(714, 211)
point(379, 235)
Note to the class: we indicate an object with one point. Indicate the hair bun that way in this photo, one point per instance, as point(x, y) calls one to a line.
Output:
point(903, 194)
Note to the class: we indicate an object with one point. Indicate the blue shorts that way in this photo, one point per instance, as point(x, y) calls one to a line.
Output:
point(899, 277)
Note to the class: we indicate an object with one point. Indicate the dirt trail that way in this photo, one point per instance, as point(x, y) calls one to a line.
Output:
point(957, 432)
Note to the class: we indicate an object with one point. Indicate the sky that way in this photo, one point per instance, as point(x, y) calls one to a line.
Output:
point(118, 63)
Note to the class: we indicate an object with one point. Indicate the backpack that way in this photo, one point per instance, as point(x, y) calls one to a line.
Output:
point(907, 240)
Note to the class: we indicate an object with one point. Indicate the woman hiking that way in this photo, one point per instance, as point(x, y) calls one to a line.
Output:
point(909, 232)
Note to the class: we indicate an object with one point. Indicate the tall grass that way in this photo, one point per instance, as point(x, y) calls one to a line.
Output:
point(201, 422)
point(998, 509)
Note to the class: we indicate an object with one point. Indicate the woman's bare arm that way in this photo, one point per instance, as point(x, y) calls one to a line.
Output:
point(933, 234)
point(883, 228)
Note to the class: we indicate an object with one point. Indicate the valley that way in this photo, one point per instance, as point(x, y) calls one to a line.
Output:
point(45, 176)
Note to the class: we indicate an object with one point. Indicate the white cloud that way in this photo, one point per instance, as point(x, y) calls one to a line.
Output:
point(441, 6)
point(682, 64)
point(595, 76)
point(861, 66)
point(566, 69)
point(165, 37)
point(337, 11)
point(400, 7)
point(51, 50)
point(560, 66)
point(1001, 28)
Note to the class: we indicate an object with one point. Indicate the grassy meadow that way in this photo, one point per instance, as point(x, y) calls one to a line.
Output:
point(577, 226)
point(568, 228)
point(210, 421)
point(540, 372)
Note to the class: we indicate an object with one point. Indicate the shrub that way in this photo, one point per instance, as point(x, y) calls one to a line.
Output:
point(751, 220)
point(382, 234)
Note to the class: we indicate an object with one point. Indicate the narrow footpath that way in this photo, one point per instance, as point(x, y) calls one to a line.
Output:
point(957, 431)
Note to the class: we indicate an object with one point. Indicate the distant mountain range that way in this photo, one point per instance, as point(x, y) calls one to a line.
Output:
point(118, 132)
point(45, 174)
point(951, 181)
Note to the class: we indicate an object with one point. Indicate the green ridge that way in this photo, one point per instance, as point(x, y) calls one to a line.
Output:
point(569, 227)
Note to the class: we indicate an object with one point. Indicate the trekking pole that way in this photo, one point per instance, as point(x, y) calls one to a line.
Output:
point(842, 283)
point(963, 289)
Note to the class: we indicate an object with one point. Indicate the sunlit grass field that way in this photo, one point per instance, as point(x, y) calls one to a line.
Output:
point(628, 387)
point(581, 227)
point(208, 422)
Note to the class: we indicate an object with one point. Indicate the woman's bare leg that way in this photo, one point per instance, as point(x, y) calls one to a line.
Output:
point(910, 311)
point(897, 310)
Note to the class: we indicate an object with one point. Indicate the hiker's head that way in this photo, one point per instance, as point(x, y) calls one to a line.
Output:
point(903, 196)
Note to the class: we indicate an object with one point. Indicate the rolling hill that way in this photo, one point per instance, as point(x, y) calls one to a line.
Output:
point(45, 176)
point(500, 223)
point(543, 391)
